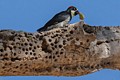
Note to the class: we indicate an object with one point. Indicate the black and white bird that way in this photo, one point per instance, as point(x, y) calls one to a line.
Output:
point(61, 19)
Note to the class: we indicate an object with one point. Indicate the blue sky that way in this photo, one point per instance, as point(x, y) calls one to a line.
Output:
point(29, 15)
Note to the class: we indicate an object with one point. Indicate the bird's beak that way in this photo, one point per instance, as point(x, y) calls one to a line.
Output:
point(81, 16)
point(76, 12)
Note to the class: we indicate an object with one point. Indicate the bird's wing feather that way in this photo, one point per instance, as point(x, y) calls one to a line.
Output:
point(57, 18)
point(62, 16)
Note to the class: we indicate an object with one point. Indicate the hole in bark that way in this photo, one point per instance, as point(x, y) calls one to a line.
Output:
point(25, 68)
point(12, 43)
point(75, 28)
point(14, 47)
point(60, 35)
point(5, 59)
point(68, 39)
point(33, 37)
point(117, 31)
point(33, 50)
point(31, 58)
point(52, 44)
point(40, 37)
point(14, 59)
point(58, 56)
point(34, 47)
point(3, 67)
point(23, 49)
point(52, 36)
point(60, 46)
point(71, 38)
point(34, 54)
point(81, 43)
point(98, 43)
point(64, 42)
point(28, 40)
point(35, 41)
point(1, 50)
point(21, 64)
point(30, 53)
point(71, 32)
point(56, 35)
point(53, 57)
point(21, 44)
point(64, 30)
point(108, 63)
point(26, 49)
point(14, 54)
point(18, 38)
point(19, 47)
point(46, 57)
point(55, 60)
point(10, 47)
point(14, 71)
point(61, 52)
point(50, 57)
point(36, 58)
point(56, 52)
point(87, 40)
point(67, 35)
point(37, 36)
point(16, 67)
point(56, 41)
point(26, 44)
point(50, 40)
point(107, 41)
point(77, 39)
point(55, 46)
point(30, 44)
point(38, 46)
point(6, 54)
point(26, 53)
point(30, 48)
point(60, 68)
point(58, 31)
point(112, 40)
point(107, 28)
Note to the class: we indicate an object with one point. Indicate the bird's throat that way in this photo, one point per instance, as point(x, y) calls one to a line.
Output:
point(72, 13)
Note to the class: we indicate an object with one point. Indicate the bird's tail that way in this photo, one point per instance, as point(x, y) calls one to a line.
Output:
point(41, 29)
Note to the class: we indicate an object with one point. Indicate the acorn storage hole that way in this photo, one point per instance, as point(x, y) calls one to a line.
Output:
point(1, 50)
point(50, 40)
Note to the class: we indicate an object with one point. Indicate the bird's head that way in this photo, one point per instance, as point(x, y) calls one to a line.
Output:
point(72, 10)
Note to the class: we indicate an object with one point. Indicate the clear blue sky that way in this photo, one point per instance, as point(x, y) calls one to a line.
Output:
point(29, 15)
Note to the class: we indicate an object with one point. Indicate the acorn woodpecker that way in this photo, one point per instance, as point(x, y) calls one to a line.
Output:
point(60, 19)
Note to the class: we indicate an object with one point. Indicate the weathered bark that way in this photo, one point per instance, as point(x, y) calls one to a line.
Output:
point(76, 50)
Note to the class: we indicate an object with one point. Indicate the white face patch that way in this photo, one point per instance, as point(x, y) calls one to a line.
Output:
point(72, 12)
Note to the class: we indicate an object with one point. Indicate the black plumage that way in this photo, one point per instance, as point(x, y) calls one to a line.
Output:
point(59, 18)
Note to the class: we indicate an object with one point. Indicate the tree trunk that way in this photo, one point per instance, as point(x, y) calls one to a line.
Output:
point(75, 50)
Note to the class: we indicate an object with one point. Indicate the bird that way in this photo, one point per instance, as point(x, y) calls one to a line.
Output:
point(61, 19)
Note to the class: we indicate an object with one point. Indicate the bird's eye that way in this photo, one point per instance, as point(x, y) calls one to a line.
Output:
point(74, 9)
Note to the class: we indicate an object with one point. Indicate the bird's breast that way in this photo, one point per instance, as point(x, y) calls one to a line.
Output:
point(63, 23)
point(60, 24)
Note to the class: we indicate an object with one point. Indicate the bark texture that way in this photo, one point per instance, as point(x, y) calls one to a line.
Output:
point(75, 50)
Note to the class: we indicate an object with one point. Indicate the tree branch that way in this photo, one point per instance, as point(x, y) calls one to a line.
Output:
point(76, 50)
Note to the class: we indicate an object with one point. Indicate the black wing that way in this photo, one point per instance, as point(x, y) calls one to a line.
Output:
point(56, 19)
